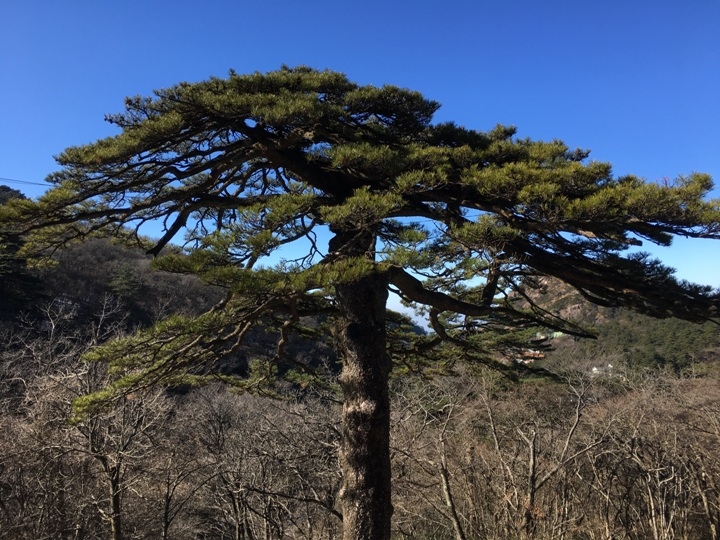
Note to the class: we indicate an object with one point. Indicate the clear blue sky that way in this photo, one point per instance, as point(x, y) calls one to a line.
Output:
point(635, 81)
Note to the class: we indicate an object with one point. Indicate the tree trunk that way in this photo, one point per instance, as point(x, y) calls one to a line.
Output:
point(113, 474)
point(365, 446)
point(116, 532)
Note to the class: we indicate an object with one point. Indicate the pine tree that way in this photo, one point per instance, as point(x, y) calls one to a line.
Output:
point(18, 287)
point(303, 193)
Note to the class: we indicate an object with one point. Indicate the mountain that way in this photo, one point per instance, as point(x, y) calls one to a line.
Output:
point(623, 336)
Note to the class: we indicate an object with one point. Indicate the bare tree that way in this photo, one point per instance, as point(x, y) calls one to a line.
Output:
point(275, 466)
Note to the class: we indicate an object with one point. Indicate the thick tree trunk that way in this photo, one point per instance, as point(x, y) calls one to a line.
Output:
point(365, 447)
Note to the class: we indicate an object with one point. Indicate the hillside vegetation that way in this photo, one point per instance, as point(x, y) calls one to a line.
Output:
point(636, 342)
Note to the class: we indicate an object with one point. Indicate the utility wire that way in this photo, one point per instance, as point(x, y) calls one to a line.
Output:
point(13, 181)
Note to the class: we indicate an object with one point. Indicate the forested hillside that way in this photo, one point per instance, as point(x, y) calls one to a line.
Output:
point(629, 452)
point(635, 341)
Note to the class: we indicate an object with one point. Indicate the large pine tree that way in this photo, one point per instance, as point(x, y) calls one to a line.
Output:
point(304, 193)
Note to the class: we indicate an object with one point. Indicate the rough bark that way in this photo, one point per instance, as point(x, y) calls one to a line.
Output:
point(365, 446)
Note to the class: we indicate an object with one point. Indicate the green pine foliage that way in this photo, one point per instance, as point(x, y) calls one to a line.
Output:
point(18, 287)
point(303, 194)
point(250, 166)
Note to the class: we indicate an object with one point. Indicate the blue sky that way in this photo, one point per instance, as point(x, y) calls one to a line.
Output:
point(635, 81)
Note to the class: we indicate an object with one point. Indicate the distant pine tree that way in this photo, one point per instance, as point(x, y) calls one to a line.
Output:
point(18, 286)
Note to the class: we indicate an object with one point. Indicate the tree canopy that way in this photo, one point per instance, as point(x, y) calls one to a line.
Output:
point(303, 193)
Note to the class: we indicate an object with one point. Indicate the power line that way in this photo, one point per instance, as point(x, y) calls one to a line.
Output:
point(13, 181)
